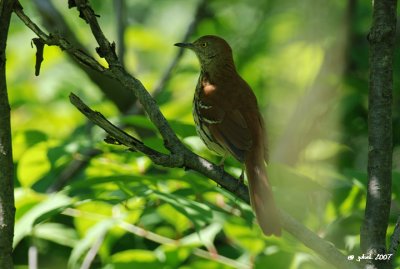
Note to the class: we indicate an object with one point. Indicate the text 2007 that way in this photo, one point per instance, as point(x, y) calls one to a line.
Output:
point(383, 257)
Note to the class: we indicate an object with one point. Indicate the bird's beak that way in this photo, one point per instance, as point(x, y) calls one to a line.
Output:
point(185, 45)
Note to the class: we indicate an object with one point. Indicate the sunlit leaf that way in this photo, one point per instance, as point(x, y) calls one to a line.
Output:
point(91, 213)
point(174, 217)
point(198, 213)
point(135, 259)
point(57, 233)
point(249, 239)
point(34, 164)
point(173, 255)
point(53, 205)
point(91, 237)
point(205, 236)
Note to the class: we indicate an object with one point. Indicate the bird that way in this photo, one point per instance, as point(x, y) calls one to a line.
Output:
point(228, 121)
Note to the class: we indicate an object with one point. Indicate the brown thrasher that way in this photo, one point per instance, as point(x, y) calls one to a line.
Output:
point(227, 119)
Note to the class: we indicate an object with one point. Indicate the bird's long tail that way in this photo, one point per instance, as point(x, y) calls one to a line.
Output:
point(261, 196)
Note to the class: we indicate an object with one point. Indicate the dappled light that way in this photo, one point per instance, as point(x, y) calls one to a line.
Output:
point(86, 200)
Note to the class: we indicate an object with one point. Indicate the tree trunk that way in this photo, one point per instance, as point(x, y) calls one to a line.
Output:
point(381, 39)
point(7, 208)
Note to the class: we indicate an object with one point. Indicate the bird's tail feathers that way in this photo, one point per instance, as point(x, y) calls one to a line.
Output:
point(261, 196)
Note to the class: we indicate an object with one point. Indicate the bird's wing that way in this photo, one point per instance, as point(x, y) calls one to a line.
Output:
point(228, 126)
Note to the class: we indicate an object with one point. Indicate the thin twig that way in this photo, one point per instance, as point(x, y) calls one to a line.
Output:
point(123, 138)
point(54, 40)
point(107, 50)
point(180, 156)
point(33, 257)
point(54, 22)
point(221, 259)
point(325, 249)
point(52, 18)
point(77, 164)
point(91, 254)
point(162, 240)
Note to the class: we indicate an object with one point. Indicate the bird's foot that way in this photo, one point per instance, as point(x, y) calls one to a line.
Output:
point(240, 181)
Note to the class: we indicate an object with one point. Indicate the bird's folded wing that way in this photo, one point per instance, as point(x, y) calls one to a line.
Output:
point(230, 129)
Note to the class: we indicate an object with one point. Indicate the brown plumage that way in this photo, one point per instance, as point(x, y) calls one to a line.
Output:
point(227, 119)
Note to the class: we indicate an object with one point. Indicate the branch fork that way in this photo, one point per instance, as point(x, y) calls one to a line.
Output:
point(180, 156)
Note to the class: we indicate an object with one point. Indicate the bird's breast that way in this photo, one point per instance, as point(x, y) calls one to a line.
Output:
point(207, 88)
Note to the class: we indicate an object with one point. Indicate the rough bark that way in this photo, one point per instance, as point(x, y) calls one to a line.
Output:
point(179, 155)
point(189, 160)
point(112, 89)
point(7, 208)
point(381, 39)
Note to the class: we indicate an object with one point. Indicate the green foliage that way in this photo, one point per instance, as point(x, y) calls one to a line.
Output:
point(311, 83)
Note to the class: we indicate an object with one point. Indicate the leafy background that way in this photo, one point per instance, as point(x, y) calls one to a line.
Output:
point(307, 62)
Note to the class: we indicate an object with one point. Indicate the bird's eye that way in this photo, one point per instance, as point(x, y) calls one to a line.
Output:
point(204, 44)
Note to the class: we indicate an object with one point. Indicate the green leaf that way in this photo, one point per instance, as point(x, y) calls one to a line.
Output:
point(200, 214)
point(95, 233)
point(34, 164)
point(173, 256)
point(49, 207)
point(139, 121)
point(202, 264)
point(25, 200)
point(183, 129)
point(135, 259)
point(204, 237)
point(180, 221)
point(243, 235)
point(57, 233)
point(25, 140)
point(90, 214)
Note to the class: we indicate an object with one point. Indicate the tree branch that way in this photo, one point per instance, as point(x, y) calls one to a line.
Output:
point(200, 14)
point(194, 162)
point(52, 19)
point(381, 39)
point(7, 207)
point(180, 156)
point(112, 89)
point(162, 240)
point(54, 40)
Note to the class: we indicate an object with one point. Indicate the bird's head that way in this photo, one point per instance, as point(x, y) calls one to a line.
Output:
point(210, 50)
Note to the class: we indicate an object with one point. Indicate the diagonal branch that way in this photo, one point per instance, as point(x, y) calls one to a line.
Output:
point(53, 20)
point(54, 40)
point(194, 162)
point(200, 14)
point(112, 89)
point(180, 156)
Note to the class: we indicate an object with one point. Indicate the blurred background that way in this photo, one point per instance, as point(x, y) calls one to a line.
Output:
point(82, 203)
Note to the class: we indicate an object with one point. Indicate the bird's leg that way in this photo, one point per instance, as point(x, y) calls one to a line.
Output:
point(221, 164)
point(240, 181)
point(241, 177)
